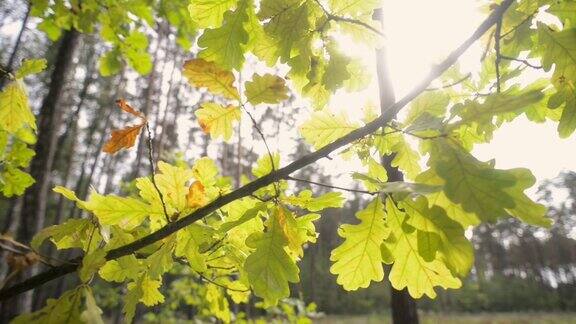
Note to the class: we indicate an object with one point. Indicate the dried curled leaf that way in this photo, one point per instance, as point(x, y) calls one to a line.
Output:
point(126, 137)
point(129, 109)
point(122, 138)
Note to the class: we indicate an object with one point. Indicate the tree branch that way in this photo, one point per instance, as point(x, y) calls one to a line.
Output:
point(274, 176)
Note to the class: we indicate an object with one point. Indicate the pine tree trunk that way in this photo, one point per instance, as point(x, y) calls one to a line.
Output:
point(403, 306)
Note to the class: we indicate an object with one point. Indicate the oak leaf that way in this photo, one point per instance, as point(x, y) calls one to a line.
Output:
point(196, 196)
point(122, 138)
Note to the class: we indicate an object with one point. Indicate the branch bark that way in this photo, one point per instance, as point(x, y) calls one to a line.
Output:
point(274, 176)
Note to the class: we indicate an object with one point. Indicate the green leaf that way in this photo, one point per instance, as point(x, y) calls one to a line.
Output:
point(92, 313)
point(172, 182)
point(210, 13)
point(268, 88)
point(30, 67)
point(125, 212)
point(204, 74)
point(91, 263)
point(248, 215)
point(110, 63)
point(225, 45)
point(482, 114)
point(65, 309)
point(14, 181)
point(270, 269)
point(289, 22)
point(14, 110)
point(314, 204)
point(205, 171)
point(456, 249)
point(264, 165)
point(405, 157)
point(324, 128)
point(433, 103)
point(126, 267)
point(478, 187)
point(438, 198)
point(558, 49)
point(189, 242)
point(218, 120)
point(73, 233)
point(357, 259)
point(401, 248)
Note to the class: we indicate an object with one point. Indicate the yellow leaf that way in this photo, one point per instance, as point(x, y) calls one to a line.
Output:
point(14, 109)
point(204, 74)
point(268, 88)
point(218, 120)
point(196, 196)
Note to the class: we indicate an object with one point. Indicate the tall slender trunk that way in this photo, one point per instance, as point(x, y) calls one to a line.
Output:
point(404, 309)
point(8, 67)
point(35, 199)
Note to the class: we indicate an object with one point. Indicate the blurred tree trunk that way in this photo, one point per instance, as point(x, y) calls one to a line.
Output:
point(35, 198)
point(11, 60)
point(404, 309)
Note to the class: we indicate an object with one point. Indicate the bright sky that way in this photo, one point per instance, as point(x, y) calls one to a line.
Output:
point(422, 32)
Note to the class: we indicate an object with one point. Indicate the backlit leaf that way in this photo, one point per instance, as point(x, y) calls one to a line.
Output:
point(357, 259)
point(205, 74)
point(268, 88)
point(218, 121)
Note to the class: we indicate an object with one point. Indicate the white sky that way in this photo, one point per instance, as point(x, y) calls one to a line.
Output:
point(422, 32)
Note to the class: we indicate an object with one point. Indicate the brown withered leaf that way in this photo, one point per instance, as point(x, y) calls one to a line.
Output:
point(129, 109)
point(122, 138)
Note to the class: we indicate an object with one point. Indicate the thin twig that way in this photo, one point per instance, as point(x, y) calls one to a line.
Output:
point(415, 135)
point(220, 285)
point(331, 16)
point(513, 29)
point(497, 36)
point(331, 186)
point(449, 85)
point(525, 62)
point(153, 170)
point(272, 177)
point(255, 125)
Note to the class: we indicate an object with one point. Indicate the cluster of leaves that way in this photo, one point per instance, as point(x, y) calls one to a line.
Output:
point(17, 131)
point(253, 244)
point(123, 24)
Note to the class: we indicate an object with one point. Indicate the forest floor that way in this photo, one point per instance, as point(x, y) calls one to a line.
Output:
point(481, 318)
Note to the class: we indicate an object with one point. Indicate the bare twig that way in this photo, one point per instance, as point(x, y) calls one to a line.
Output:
point(449, 85)
point(219, 284)
point(497, 48)
point(272, 177)
point(352, 21)
point(525, 62)
point(153, 170)
point(255, 125)
point(331, 186)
